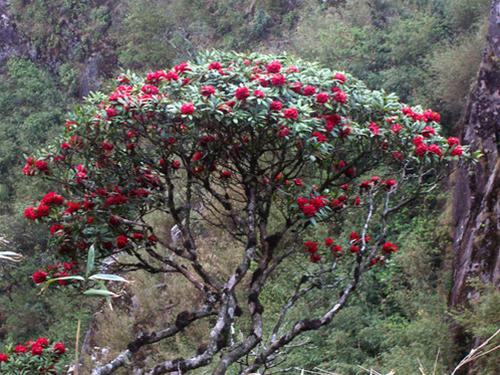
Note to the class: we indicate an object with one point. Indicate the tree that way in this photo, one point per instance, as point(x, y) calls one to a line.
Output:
point(291, 160)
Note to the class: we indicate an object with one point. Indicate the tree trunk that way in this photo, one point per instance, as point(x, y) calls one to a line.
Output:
point(477, 207)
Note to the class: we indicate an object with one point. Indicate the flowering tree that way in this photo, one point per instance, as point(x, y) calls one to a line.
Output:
point(291, 160)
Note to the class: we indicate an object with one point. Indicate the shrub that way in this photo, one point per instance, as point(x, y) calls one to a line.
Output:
point(34, 357)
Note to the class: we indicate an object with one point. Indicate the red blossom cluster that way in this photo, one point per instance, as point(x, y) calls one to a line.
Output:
point(355, 243)
point(56, 270)
point(196, 121)
point(19, 359)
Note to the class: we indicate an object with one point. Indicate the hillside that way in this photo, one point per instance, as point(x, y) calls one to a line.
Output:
point(423, 311)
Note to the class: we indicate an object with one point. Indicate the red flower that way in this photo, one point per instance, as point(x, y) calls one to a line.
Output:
point(397, 155)
point(291, 113)
point(315, 258)
point(340, 97)
point(283, 132)
point(374, 128)
point(389, 247)
point(354, 236)
point(138, 236)
point(226, 174)
point(350, 172)
point(36, 350)
point(176, 164)
point(42, 341)
point(273, 67)
point(322, 97)
point(4, 357)
point(278, 80)
point(112, 200)
point(52, 198)
point(42, 165)
point(241, 93)
point(197, 156)
point(309, 210)
point(309, 91)
point(356, 201)
point(207, 90)
point(428, 131)
point(453, 141)
point(215, 65)
point(121, 241)
point(174, 76)
point(354, 248)
point(298, 182)
point(340, 77)
point(42, 210)
point(106, 146)
point(390, 183)
point(320, 137)
point(149, 89)
point(259, 94)
point(421, 149)
point(39, 277)
point(337, 249)
point(68, 266)
point(111, 112)
point(20, 349)
point(30, 213)
point(435, 149)
point(296, 87)
point(264, 82)
point(72, 207)
point(418, 140)
point(59, 348)
point(276, 105)
point(55, 228)
point(431, 116)
point(81, 172)
point(311, 246)
point(396, 128)
point(457, 151)
point(301, 201)
point(318, 201)
point(329, 241)
point(187, 108)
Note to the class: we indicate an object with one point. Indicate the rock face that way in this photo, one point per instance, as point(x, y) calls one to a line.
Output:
point(11, 43)
point(477, 204)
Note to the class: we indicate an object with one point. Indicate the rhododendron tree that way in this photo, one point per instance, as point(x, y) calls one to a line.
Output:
point(290, 159)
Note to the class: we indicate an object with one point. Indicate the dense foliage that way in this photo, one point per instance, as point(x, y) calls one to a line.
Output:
point(432, 66)
point(35, 357)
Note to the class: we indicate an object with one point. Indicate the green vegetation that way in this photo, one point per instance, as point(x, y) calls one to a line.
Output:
point(426, 51)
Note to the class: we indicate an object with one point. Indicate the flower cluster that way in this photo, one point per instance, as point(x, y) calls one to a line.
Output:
point(34, 357)
point(355, 244)
point(58, 270)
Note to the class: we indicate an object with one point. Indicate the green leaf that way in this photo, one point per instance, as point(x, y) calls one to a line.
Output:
point(51, 281)
point(90, 260)
point(108, 277)
point(100, 293)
